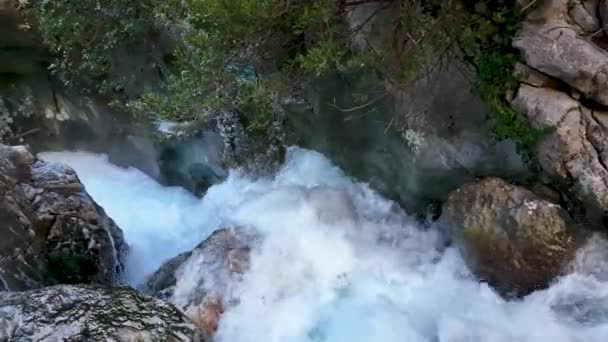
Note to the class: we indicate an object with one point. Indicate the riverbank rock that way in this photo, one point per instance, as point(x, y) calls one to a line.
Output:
point(553, 43)
point(52, 230)
point(575, 153)
point(91, 313)
point(560, 41)
point(199, 281)
point(510, 237)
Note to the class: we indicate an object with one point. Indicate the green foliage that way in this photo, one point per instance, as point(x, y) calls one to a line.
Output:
point(321, 58)
point(422, 26)
point(494, 81)
point(86, 34)
point(237, 52)
point(243, 55)
point(486, 44)
point(254, 100)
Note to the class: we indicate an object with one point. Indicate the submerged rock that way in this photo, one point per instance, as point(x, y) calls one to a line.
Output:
point(509, 236)
point(199, 281)
point(91, 313)
point(52, 230)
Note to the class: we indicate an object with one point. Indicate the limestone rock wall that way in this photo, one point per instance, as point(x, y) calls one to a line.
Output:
point(564, 86)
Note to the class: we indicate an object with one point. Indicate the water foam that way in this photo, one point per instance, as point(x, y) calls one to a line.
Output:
point(338, 262)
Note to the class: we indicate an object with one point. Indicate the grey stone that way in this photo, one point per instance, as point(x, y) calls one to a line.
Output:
point(575, 154)
point(91, 313)
point(551, 45)
point(53, 232)
point(584, 18)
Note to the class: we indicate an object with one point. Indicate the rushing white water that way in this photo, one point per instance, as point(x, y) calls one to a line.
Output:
point(337, 262)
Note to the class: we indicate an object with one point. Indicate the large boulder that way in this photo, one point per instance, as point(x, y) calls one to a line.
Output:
point(90, 313)
point(52, 230)
point(510, 238)
point(198, 281)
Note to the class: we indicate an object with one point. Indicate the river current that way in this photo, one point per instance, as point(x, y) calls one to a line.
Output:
point(337, 261)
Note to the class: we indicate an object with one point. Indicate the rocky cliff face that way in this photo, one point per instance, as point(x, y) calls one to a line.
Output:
point(37, 109)
point(89, 313)
point(564, 86)
point(53, 232)
point(413, 143)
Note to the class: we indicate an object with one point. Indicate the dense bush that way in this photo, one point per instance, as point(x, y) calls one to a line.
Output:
point(245, 55)
point(86, 34)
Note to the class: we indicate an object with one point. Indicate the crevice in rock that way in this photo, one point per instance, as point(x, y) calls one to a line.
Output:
point(550, 82)
point(592, 105)
point(55, 101)
point(598, 149)
point(566, 114)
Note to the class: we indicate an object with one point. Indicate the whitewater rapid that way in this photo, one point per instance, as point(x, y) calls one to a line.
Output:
point(337, 262)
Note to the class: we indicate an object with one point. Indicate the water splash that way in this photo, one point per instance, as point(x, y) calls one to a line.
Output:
point(337, 262)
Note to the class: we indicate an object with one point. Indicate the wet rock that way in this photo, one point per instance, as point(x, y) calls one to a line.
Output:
point(199, 282)
point(192, 160)
point(91, 313)
point(162, 283)
point(53, 232)
point(510, 238)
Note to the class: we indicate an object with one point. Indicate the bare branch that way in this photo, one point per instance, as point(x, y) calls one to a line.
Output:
point(358, 107)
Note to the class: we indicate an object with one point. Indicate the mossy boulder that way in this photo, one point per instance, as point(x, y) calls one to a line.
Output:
point(509, 236)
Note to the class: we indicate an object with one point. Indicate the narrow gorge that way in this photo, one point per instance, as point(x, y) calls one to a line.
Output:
point(304, 171)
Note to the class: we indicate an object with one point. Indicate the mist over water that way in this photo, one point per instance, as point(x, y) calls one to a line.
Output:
point(336, 262)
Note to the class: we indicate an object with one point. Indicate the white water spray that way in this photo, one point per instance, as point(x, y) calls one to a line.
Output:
point(337, 262)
